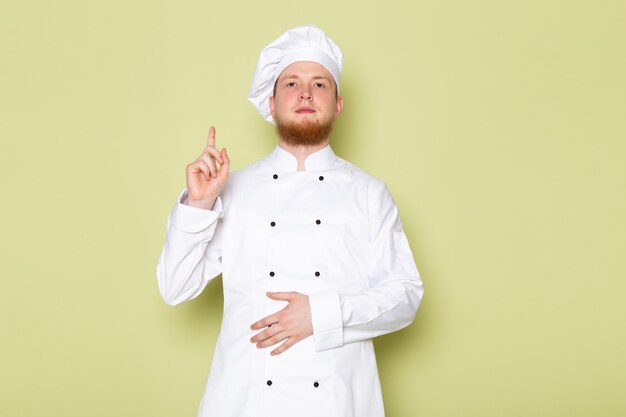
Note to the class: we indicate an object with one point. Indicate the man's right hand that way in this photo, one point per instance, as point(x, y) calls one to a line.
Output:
point(205, 180)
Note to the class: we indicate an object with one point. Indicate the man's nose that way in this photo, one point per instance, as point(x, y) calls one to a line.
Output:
point(305, 94)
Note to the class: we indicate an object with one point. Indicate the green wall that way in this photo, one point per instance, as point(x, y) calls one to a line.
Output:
point(499, 127)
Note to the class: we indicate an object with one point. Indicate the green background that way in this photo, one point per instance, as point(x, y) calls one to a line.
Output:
point(499, 127)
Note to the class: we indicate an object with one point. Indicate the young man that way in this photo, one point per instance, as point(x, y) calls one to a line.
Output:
point(313, 257)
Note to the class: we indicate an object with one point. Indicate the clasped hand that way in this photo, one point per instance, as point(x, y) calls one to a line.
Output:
point(291, 324)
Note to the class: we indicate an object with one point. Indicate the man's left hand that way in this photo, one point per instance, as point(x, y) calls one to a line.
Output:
point(292, 323)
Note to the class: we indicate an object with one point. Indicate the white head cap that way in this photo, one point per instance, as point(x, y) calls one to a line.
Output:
point(304, 43)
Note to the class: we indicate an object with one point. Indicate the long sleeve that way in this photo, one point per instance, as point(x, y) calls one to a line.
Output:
point(394, 287)
point(191, 255)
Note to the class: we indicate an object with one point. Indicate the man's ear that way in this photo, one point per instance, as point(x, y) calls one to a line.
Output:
point(339, 107)
point(271, 103)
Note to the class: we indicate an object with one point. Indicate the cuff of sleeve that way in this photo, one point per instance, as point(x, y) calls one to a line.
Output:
point(327, 320)
point(193, 219)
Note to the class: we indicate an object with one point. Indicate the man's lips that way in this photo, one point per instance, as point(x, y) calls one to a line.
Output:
point(305, 110)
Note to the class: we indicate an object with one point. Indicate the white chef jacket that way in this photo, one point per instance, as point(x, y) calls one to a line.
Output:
point(331, 232)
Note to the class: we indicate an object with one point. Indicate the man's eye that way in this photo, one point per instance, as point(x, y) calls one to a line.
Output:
point(319, 85)
point(291, 84)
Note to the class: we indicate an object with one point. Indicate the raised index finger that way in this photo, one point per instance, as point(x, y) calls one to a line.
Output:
point(211, 141)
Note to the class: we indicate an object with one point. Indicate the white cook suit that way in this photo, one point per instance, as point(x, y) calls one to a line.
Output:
point(332, 232)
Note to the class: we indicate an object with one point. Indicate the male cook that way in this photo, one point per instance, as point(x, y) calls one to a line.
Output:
point(313, 257)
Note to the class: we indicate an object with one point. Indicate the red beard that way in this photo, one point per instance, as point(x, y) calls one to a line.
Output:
point(307, 133)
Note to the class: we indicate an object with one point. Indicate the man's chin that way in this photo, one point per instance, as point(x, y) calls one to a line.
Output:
point(305, 131)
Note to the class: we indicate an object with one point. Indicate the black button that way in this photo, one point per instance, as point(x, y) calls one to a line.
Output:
point(274, 224)
point(275, 176)
point(271, 273)
point(318, 222)
point(316, 384)
point(269, 382)
point(321, 178)
point(317, 274)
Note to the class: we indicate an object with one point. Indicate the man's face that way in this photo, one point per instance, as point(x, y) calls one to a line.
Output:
point(305, 103)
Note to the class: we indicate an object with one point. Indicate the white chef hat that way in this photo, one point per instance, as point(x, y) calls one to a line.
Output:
point(304, 43)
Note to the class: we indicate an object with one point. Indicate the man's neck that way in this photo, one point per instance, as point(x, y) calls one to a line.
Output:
point(301, 152)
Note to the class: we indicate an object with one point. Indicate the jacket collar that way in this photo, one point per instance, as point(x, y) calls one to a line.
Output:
point(317, 161)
